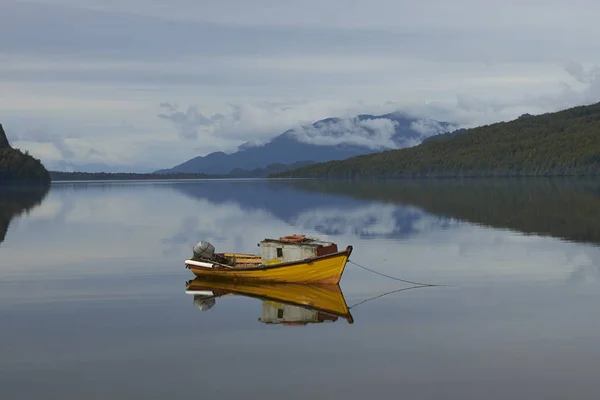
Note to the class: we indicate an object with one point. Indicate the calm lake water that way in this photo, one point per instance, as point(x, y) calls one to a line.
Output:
point(93, 299)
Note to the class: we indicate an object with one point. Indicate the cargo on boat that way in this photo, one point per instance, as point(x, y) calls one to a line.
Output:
point(289, 259)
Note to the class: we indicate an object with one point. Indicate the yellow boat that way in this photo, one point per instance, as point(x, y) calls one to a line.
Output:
point(285, 303)
point(289, 259)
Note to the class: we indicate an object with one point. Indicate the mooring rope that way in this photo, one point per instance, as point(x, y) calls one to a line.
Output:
point(391, 277)
point(386, 293)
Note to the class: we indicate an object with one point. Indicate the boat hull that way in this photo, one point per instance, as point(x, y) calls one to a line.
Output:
point(324, 269)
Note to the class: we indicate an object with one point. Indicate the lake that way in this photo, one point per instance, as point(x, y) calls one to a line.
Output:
point(94, 302)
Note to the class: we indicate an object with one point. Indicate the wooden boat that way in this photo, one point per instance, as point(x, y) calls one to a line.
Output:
point(290, 259)
point(323, 302)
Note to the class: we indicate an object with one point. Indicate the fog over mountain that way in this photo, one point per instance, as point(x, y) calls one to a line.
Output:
point(324, 140)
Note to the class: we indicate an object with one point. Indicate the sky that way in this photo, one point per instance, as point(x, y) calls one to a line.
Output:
point(149, 84)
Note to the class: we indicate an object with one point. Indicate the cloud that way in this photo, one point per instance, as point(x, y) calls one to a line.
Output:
point(94, 152)
point(189, 122)
point(590, 93)
point(43, 135)
point(428, 127)
point(168, 106)
point(581, 87)
point(255, 122)
point(372, 133)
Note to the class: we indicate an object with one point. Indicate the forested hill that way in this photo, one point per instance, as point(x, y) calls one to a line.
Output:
point(19, 167)
point(563, 143)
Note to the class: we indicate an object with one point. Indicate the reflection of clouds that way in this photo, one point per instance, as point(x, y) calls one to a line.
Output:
point(187, 230)
point(585, 265)
point(159, 226)
point(94, 226)
point(398, 240)
point(585, 273)
point(370, 221)
point(227, 226)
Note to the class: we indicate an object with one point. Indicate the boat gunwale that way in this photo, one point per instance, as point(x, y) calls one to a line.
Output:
point(260, 267)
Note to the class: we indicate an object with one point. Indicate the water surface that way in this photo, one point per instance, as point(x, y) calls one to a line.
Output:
point(93, 298)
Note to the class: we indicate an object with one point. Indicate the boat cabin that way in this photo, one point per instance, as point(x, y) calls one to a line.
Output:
point(293, 248)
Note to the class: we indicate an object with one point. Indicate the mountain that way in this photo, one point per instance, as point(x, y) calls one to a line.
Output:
point(328, 139)
point(563, 143)
point(19, 167)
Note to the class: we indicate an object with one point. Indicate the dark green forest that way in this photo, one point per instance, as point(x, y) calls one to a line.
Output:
point(565, 143)
point(565, 208)
point(19, 167)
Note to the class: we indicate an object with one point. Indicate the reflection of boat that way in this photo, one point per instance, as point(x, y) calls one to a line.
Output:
point(285, 303)
point(285, 314)
point(290, 259)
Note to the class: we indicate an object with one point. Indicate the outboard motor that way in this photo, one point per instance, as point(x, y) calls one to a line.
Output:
point(203, 303)
point(204, 250)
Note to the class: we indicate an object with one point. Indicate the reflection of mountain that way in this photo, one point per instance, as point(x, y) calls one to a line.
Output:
point(288, 304)
point(280, 200)
point(562, 208)
point(16, 200)
point(566, 209)
point(329, 214)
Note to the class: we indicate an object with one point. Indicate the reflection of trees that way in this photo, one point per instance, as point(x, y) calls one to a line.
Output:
point(562, 208)
point(14, 201)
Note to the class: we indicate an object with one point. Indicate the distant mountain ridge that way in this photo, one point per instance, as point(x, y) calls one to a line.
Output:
point(563, 143)
point(324, 140)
